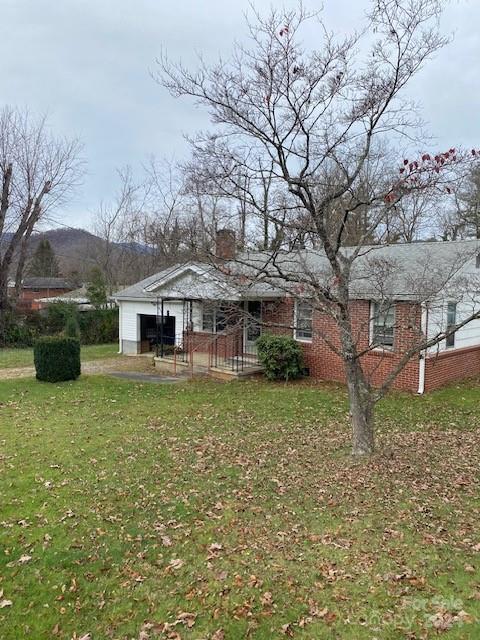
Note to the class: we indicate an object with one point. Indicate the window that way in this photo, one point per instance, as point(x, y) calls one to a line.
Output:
point(451, 322)
point(208, 319)
point(383, 325)
point(303, 321)
point(213, 319)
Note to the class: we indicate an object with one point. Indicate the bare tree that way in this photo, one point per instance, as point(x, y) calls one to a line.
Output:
point(114, 223)
point(462, 218)
point(37, 172)
point(327, 123)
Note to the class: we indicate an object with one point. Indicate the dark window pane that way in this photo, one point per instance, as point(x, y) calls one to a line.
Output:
point(304, 323)
point(383, 325)
point(451, 322)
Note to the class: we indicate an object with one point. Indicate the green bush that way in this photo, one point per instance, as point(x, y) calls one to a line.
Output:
point(95, 326)
point(57, 315)
point(98, 326)
point(21, 330)
point(281, 357)
point(72, 330)
point(57, 359)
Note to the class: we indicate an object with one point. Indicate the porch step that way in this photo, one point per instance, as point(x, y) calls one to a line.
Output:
point(167, 365)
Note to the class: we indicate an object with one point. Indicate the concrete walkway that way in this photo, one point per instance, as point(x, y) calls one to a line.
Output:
point(144, 377)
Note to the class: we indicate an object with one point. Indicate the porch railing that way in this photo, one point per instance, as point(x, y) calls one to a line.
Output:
point(226, 350)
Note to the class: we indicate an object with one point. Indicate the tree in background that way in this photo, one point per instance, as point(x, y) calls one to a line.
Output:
point(330, 122)
point(462, 218)
point(97, 289)
point(44, 261)
point(37, 173)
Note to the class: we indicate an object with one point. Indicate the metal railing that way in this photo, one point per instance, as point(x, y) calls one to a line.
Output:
point(226, 350)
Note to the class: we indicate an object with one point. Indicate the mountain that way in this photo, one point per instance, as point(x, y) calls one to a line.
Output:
point(79, 250)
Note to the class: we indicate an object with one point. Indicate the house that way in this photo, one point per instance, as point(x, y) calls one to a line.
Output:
point(78, 297)
point(35, 288)
point(212, 314)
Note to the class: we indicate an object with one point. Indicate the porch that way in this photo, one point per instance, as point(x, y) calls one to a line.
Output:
point(221, 342)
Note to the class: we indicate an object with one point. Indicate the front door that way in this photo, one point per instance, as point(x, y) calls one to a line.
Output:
point(252, 325)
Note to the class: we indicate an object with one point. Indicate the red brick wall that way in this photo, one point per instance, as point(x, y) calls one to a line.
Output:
point(224, 345)
point(450, 366)
point(324, 364)
point(27, 297)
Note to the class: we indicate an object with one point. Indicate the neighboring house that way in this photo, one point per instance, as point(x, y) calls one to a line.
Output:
point(78, 297)
point(35, 288)
point(192, 307)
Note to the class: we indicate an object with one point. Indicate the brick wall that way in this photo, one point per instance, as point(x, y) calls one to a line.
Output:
point(451, 366)
point(218, 345)
point(27, 298)
point(324, 364)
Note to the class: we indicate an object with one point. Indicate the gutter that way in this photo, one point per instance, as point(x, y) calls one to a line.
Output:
point(423, 353)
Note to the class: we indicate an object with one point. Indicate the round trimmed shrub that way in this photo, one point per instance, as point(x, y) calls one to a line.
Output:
point(57, 359)
point(280, 356)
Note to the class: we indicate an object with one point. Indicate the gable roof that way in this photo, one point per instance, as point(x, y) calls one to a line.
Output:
point(78, 296)
point(403, 271)
point(40, 282)
point(196, 281)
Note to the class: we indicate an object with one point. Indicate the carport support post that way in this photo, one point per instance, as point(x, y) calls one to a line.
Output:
point(156, 330)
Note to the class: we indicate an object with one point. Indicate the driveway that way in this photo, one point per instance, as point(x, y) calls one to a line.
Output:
point(109, 365)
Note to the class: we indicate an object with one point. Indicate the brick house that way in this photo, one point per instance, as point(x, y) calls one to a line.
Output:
point(35, 288)
point(198, 313)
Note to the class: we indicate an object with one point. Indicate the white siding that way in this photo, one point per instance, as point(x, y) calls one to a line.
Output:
point(130, 326)
point(131, 310)
point(467, 336)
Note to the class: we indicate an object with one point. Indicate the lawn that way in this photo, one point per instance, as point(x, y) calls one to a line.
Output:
point(207, 510)
point(11, 358)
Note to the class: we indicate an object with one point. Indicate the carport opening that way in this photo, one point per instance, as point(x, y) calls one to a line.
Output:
point(154, 332)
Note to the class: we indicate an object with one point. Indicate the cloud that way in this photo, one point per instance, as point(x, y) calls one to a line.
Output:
point(86, 63)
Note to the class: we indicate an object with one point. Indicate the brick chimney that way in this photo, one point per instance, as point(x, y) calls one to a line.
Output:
point(225, 244)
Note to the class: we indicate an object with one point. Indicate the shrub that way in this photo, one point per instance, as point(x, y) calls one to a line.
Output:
point(98, 326)
point(57, 315)
point(21, 330)
point(72, 330)
point(281, 357)
point(57, 359)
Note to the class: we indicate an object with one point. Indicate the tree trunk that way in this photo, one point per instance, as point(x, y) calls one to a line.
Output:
point(361, 411)
point(4, 306)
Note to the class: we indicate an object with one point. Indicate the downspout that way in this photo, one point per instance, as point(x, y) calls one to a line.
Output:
point(423, 353)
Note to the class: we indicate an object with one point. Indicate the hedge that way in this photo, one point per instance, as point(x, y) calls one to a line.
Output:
point(57, 359)
point(60, 318)
point(281, 357)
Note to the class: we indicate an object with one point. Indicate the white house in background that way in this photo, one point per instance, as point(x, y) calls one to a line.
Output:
point(198, 310)
point(78, 297)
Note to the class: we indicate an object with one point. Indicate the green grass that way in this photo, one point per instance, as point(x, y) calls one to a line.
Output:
point(235, 509)
point(12, 358)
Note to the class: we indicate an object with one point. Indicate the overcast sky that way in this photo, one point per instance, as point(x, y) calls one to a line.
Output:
point(86, 64)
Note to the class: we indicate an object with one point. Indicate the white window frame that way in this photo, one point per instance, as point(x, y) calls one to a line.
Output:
point(214, 311)
point(373, 314)
point(295, 322)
